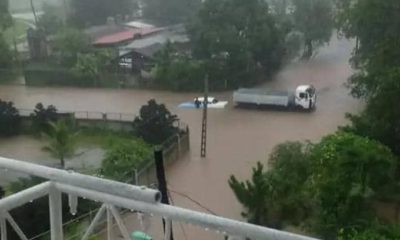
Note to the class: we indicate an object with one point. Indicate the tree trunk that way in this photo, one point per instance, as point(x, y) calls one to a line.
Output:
point(308, 51)
point(66, 11)
point(34, 13)
point(62, 161)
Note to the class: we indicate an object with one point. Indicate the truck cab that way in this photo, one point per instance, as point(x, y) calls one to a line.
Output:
point(305, 97)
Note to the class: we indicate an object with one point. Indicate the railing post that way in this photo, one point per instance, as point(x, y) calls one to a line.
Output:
point(179, 145)
point(3, 226)
point(56, 227)
point(136, 178)
point(109, 224)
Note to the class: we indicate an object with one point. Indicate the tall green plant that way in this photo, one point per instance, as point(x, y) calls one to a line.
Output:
point(277, 196)
point(61, 143)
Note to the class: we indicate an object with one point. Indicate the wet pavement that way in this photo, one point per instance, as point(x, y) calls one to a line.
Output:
point(237, 138)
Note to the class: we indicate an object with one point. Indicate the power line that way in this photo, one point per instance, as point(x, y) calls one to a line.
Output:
point(194, 201)
point(180, 224)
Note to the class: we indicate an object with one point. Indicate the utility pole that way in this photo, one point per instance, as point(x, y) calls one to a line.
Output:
point(204, 122)
point(162, 183)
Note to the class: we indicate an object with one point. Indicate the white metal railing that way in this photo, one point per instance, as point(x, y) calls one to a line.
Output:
point(114, 194)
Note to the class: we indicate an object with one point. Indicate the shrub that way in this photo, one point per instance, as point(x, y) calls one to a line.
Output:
point(9, 119)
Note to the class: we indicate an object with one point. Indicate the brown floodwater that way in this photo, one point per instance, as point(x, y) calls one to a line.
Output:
point(237, 138)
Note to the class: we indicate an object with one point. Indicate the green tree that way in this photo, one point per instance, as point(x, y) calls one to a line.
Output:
point(347, 172)
point(6, 56)
point(51, 20)
point(9, 119)
point(96, 12)
point(253, 195)
point(234, 38)
point(155, 124)
point(61, 140)
point(123, 158)
point(5, 22)
point(276, 197)
point(89, 65)
point(42, 117)
point(5, 17)
point(381, 118)
point(376, 58)
point(171, 11)
point(69, 43)
point(373, 23)
point(315, 19)
point(178, 72)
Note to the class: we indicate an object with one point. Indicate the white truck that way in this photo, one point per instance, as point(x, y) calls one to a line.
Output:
point(304, 97)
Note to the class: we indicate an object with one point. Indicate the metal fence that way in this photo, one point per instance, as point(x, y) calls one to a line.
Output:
point(88, 115)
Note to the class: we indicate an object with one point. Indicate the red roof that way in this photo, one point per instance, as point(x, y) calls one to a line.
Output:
point(123, 36)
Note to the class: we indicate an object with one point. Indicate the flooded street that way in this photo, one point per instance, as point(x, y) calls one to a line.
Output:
point(237, 138)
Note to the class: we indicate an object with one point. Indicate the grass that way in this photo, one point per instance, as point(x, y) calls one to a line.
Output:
point(18, 31)
point(102, 138)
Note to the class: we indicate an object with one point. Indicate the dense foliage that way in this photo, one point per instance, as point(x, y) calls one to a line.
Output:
point(123, 158)
point(9, 119)
point(95, 12)
point(68, 44)
point(177, 71)
point(240, 43)
point(83, 63)
point(375, 24)
point(313, 18)
point(373, 232)
point(329, 185)
point(89, 66)
point(239, 38)
point(347, 172)
point(155, 124)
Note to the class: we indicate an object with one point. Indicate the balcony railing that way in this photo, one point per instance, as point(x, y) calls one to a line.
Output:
point(114, 195)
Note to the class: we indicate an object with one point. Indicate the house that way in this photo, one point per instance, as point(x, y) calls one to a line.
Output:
point(138, 55)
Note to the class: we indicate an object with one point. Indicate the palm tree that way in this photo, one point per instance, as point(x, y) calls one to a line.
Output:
point(61, 141)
